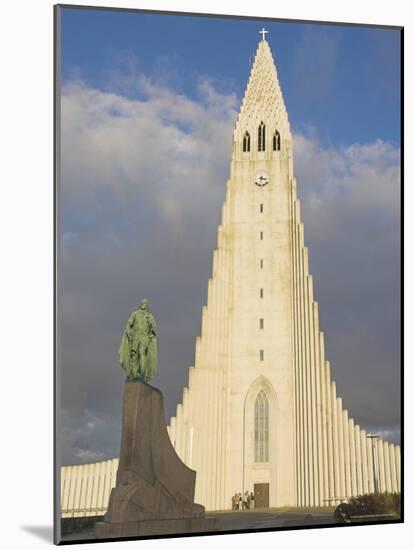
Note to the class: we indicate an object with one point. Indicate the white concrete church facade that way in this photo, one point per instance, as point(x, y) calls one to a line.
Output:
point(260, 412)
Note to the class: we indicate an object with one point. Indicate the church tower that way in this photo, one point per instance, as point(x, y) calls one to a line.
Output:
point(260, 412)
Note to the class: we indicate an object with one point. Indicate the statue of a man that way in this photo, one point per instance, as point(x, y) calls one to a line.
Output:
point(138, 349)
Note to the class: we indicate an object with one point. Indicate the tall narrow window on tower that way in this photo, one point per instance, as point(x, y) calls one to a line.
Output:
point(261, 137)
point(246, 142)
point(261, 428)
point(276, 141)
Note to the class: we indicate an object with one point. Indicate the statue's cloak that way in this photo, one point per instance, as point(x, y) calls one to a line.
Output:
point(138, 349)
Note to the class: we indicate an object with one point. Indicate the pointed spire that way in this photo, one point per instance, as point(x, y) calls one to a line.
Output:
point(263, 98)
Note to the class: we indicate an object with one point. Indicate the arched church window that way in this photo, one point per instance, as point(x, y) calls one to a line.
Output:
point(261, 137)
point(276, 141)
point(261, 428)
point(246, 142)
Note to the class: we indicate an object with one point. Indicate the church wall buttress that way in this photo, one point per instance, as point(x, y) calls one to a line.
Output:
point(387, 466)
point(319, 401)
point(304, 415)
point(360, 490)
point(308, 389)
point(335, 429)
point(341, 447)
point(398, 462)
point(313, 368)
point(323, 421)
point(328, 478)
point(352, 456)
point(382, 482)
point(347, 453)
point(298, 479)
point(320, 457)
point(215, 380)
point(364, 461)
point(221, 366)
point(393, 468)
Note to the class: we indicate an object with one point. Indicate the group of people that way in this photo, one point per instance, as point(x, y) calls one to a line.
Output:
point(242, 502)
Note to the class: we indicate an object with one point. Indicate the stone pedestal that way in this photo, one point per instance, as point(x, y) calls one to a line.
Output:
point(154, 491)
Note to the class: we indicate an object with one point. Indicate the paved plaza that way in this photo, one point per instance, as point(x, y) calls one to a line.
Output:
point(268, 518)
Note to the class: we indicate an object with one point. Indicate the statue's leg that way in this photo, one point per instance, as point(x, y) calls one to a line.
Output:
point(147, 364)
point(133, 363)
point(138, 364)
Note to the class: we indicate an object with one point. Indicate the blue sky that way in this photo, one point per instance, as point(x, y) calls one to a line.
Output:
point(341, 82)
point(148, 107)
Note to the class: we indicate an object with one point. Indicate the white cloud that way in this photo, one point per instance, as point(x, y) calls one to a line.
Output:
point(370, 172)
point(341, 187)
point(165, 143)
point(392, 436)
point(85, 456)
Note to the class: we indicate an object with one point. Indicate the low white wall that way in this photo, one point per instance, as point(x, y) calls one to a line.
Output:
point(85, 489)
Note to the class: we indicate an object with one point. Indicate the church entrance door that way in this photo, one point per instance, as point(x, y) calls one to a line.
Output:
point(261, 495)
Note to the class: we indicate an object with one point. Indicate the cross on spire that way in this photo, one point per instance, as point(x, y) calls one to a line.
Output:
point(263, 32)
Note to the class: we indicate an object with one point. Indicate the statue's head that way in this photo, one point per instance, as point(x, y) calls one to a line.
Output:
point(144, 304)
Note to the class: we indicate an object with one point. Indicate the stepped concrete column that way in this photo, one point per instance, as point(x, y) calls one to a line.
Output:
point(331, 487)
point(381, 466)
point(335, 433)
point(341, 448)
point(352, 457)
point(347, 453)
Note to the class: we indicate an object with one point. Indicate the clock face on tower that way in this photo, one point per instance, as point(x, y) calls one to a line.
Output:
point(261, 178)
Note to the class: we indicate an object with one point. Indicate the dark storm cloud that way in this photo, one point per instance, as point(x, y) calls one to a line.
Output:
point(142, 187)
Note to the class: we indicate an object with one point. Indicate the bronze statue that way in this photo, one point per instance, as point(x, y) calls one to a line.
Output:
point(138, 349)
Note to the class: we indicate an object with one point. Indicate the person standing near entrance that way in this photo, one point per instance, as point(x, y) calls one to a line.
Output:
point(251, 499)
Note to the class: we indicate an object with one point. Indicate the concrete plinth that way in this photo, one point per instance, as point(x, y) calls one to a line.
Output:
point(154, 491)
